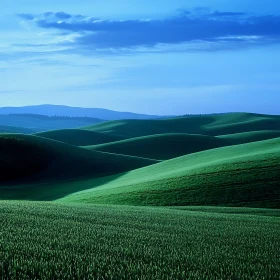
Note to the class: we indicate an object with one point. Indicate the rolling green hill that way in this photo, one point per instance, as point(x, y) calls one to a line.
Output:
point(253, 136)
point(79, 137)
point(242, 128)
point(113, 173)
point(161, 146)
point(44, 163)
point(71, 200)
point(168, 146)
point(241, 175)
point(207, 125)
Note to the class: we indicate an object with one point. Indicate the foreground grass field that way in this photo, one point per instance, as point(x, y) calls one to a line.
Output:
point(56, 241)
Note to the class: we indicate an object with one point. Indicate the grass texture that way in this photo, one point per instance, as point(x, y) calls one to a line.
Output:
point(56, 241)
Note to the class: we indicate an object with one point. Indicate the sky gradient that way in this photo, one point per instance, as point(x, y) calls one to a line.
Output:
point(169, 57)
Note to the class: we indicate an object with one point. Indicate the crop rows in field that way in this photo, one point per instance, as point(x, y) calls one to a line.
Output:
point(60, 241)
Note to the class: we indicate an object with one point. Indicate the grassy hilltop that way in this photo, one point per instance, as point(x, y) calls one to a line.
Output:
point(206, 125)
point(240, 128)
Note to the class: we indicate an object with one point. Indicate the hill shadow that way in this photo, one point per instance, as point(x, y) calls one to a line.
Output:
point(36, 168)
point(51, 190)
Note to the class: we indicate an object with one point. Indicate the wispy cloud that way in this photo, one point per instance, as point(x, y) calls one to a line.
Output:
point(199, 29)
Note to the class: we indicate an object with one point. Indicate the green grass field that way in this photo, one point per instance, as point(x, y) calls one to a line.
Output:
point(114, 242)
point(195, 197)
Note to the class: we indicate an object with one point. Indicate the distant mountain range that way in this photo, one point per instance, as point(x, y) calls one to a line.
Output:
point(66, 111)
point(32, 123)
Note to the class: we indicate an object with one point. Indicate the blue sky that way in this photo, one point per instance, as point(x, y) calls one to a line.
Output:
point(159, 57)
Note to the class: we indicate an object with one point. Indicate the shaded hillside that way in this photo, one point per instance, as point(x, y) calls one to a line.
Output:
point(43, 161)
point(20, 159)
point(79, 137)
point(207, 125)
point(242, 175)
point(161, 146)
point(168, 146)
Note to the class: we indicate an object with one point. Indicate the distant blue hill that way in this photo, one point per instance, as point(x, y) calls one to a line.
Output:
point(59, 110)
point(31, 123)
